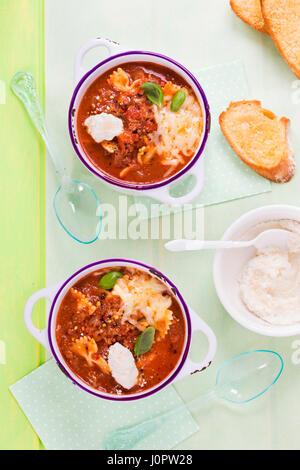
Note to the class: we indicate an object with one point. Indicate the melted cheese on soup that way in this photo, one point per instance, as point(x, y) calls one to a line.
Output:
point(178, 134)
point(145, 302)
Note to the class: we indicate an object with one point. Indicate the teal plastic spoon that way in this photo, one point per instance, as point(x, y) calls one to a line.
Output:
point(240, 380)
point(76, 205)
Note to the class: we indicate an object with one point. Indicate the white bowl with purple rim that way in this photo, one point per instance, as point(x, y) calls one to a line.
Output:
point(56, 294)
point(118, 56)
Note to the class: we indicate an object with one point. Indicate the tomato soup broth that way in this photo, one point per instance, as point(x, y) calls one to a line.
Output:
point(153, 119)
point(102, 326)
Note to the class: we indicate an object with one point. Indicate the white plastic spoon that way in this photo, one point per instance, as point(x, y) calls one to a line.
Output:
point(277, 238)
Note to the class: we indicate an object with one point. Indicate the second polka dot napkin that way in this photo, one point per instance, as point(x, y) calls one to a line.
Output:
point(66, 418)
point(226, 176)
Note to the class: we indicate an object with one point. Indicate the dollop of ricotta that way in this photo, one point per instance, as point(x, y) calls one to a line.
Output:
point(104, 126)
point(122, 365)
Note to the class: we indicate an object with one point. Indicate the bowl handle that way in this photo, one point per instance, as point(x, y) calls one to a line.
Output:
point(112, 47)
point(41, 335)
point(163, 195)
point(191, 367)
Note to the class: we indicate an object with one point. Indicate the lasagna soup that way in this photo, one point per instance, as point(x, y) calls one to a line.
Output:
point(120, 330)
point(140, 123)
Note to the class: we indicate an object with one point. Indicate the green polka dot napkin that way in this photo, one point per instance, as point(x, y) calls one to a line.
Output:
point(66, 418)
point(226, 176)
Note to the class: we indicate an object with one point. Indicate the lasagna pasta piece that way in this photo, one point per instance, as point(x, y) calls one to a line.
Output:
point(110, 147)
point(144, 303)
point(83, 302)
point(120, 80)
point(145, 154)
point(126, 170)
point(163, 323)
point(86, 347)
point(170, 89)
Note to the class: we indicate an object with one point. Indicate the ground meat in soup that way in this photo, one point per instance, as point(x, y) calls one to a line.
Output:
point(141, 154)
point(92, 316)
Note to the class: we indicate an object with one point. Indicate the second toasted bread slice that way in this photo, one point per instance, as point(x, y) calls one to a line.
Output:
point(250, 12)
point(260, 139)
point(282, 18)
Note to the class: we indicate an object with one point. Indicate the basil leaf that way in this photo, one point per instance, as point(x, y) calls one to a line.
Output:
point(154, 93)
point(144, 342)
point(109, 280)
point(178, 100)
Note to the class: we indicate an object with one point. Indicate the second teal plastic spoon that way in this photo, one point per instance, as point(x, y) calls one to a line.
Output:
point(76, 205)
point(240, 380)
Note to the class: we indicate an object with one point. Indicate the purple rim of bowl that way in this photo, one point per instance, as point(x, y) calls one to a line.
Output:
point(179, 366)
point(161, 183)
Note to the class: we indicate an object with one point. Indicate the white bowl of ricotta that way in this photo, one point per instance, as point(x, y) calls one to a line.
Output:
point(261, 290)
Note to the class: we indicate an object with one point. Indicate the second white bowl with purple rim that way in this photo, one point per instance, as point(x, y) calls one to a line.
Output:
point(118, 56)
point(56, 294)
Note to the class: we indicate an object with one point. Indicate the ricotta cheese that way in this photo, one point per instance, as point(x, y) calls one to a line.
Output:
point(122, 366)
point(104, 127)
point(270, 282)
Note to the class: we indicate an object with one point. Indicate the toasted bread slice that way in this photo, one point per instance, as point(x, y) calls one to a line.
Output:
point(282, 18)
point(250, 12)
point(260, 139)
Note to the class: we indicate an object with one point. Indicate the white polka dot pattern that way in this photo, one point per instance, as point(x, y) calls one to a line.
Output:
point(66, 418)
point(226, 176)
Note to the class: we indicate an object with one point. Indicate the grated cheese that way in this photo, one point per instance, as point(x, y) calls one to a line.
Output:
point(178, 134)
point(143, 303)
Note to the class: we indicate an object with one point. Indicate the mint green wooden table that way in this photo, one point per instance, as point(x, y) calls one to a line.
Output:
point(199, 34)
